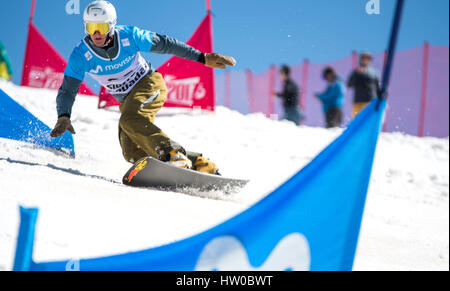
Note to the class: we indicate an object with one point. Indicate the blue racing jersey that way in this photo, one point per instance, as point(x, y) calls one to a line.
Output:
point(119, 74)
point(120, 71)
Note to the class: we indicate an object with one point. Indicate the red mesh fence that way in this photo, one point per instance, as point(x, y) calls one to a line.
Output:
point(404, 92)
point(418, 101)
point(437, 93)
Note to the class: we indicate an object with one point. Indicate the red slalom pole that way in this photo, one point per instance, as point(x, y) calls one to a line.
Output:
point(423, 96)
point(30, 21)
point(228, 89)
point(271, 108)
point(33, 8)
point(208, 6)
point(387, 109)
point(354, 60)
point(251, 101)
point(304, 86)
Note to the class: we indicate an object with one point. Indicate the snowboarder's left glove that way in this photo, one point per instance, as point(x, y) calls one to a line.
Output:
point(218, 61)
point(62, 125)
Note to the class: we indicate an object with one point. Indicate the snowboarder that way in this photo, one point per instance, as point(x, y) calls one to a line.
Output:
point(110, 53)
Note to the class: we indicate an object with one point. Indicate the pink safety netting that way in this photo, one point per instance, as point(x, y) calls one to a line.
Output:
point(437, 96)
point(418, 101)
point(404, 92)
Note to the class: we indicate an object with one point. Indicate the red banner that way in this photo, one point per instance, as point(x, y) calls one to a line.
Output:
point(106, 100)
point(189, 84)
point(44, 66)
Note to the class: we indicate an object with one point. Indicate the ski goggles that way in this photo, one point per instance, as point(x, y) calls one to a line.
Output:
point(103, 28)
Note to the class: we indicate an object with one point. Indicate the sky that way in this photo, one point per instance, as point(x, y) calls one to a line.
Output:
point(258, 33)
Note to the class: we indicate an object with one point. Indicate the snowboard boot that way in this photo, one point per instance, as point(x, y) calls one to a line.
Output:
point(206, 166)
point(178, 159)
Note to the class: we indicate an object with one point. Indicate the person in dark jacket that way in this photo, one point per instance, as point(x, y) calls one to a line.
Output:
point(365, 82)
point(333, 98)
point(290, 96)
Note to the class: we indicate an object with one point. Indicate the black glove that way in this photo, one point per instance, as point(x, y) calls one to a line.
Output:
point(218, 61)
point(62, 125)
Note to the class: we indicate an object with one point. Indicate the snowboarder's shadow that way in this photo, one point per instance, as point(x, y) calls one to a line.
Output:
point(171, 114)
point(65, 170)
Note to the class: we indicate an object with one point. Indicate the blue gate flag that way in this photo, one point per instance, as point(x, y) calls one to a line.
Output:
point(24, 249)
point(311, 222)
point(18, 124)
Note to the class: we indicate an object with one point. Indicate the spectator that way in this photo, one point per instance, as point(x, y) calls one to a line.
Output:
point(365, 82)
point(5, 64)
point(332, 99)
point(290, 96)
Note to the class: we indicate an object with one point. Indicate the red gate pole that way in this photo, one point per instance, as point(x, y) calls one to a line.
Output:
point(423, 97)
point(354, 60)
point(211, 31)
point(387, 109)
point(30, 21)
point(228, 89)
point(271, 109)
point(251, 100)
point(33, 8)
point(304, 86)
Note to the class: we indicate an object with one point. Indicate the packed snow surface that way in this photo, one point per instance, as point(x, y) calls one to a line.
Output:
point(85, 211)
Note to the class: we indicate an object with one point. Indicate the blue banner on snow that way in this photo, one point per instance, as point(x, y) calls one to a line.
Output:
point(18, 124)
point(311, 222)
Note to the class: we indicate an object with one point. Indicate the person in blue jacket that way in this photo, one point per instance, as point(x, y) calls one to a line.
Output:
point(333, 98)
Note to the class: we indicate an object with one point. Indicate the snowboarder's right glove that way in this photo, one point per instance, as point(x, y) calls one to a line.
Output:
point(62, 125)
point(218, 61)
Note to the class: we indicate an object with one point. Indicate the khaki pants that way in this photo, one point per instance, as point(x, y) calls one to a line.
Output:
point(358, 107)
point(139, 136)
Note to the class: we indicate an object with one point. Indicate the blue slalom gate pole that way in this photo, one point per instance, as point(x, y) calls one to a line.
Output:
point(391, 48)
point(25, 239)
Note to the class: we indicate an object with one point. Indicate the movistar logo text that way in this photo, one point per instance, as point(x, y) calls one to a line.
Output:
point(97, 70)
point(121, 64)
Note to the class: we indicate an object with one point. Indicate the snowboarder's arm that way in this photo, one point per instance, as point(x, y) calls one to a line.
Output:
point(73, 77)
point(64, 102)
point(147, 41)
point(163, 44)
point(66, 96)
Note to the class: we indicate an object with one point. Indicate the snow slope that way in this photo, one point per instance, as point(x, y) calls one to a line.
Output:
point(86, 212)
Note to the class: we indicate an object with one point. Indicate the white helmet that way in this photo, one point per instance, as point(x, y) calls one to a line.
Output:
point(101, 12)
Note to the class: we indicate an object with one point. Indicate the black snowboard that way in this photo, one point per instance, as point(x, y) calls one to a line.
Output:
point(149, 172)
